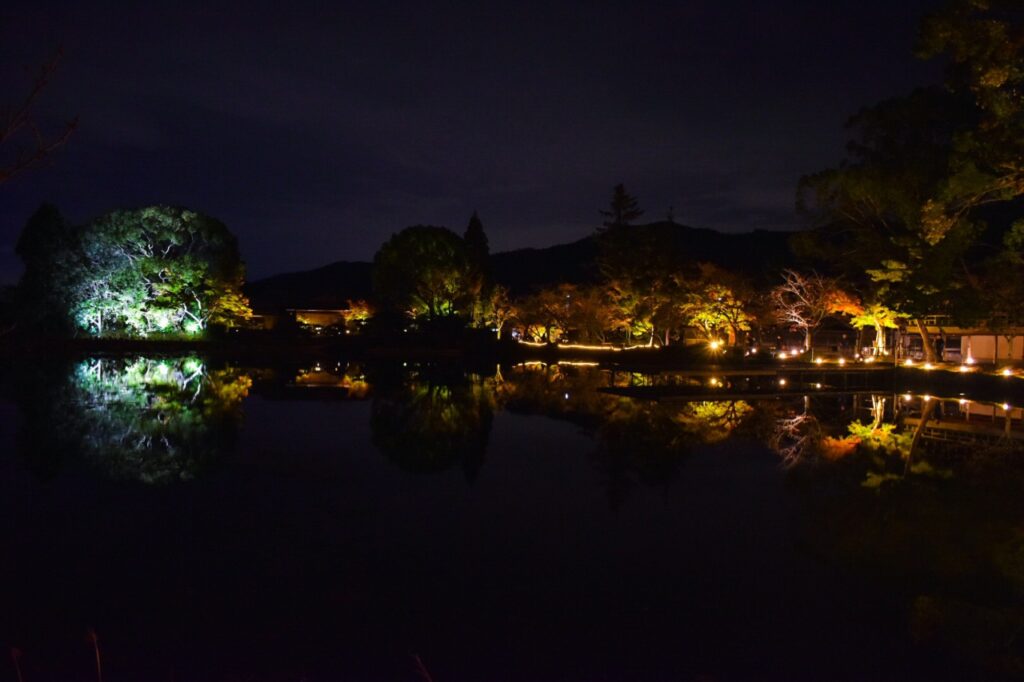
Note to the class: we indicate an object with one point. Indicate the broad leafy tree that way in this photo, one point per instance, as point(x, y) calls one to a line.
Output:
point(928, 177)
point(156, 270)
point(877, 317)
point(426, 272)
point(644, 270)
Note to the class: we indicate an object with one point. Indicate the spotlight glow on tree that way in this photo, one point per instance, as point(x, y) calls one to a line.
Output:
point(152, 271)
point(427, 272)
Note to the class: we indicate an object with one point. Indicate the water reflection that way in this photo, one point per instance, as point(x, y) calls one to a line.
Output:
point(153, 420)
point(921, 491)
point(163, 419)
point(429, 423)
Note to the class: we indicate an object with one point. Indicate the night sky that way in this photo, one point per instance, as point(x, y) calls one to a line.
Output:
point(317, 130)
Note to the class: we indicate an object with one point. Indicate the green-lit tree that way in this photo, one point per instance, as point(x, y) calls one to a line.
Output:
point(428, 424)
point(929, 174)
point(156, 270)
point(879, 318)
point(426, 272)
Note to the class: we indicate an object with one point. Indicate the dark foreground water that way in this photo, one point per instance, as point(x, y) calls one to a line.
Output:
point(410, 523)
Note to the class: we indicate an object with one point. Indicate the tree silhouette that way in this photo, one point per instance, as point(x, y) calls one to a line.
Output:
point(623, 209)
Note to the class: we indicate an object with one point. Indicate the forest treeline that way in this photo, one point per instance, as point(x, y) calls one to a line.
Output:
point(921, 218)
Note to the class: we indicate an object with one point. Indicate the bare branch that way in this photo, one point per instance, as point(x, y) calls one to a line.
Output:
point(19, 121)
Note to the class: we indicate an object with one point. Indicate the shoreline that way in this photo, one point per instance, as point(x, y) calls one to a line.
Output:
point(690, 360)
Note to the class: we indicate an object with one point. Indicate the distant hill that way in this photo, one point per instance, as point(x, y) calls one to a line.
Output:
point(759, 254)
point(329, 286)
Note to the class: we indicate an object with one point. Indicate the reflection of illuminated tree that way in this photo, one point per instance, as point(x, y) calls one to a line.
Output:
point(153, 420)
point(806, 437)
point(797, 438)
point(639, 442)
point(713, 421)
point(555, 391)
point(429, 426)
point(955, 545)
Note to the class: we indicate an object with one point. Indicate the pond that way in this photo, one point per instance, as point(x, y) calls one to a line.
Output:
point(209, 521)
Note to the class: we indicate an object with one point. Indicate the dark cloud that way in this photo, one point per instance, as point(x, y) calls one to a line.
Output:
point(315, 130)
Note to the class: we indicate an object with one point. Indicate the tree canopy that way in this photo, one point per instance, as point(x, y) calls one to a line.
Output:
point(155, 270)
point(426, 271)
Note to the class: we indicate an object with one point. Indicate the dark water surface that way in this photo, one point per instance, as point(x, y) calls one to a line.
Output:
point(315, 524)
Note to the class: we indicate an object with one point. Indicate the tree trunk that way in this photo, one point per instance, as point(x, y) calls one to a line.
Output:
point(926, 414)
point(807, 339)
point(879, 339)
point(926, 341)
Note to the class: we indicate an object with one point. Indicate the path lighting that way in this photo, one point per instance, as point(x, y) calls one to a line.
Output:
point(928, 365)
point(842, 361)
point(908, 363)
point(818, 361)
point(782, 382)
point(1006, 407)
point(1007, 372)
point(926, 397)
point(817, 385)
point(907, 397)
point(965, 368)
point(715, 345)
